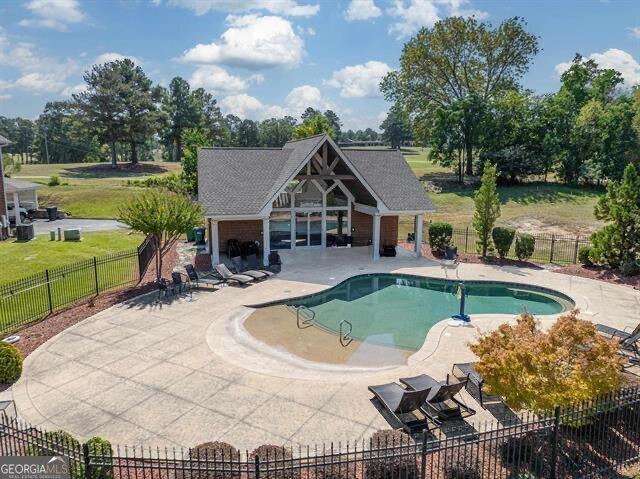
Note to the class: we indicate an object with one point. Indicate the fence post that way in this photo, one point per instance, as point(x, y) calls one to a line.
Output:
point(423, 471)
point(46, 272)
point(554, 444)
point(87, 462)
point(95, 274)
point(466, 241)
point(553, 244)
point(257, 468)
point(575, 250)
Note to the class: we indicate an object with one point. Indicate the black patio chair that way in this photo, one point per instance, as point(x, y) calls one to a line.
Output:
point(442, 404)
point(401, 408)
point(467, 372)
point(252, 263)
point(198, 279)
point(240, 269)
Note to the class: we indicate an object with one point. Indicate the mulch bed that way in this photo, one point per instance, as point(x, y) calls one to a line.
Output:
point(100, 168)
point(600, 273)
point(38, 333)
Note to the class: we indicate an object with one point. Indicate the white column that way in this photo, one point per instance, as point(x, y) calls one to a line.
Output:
point(266, 241)
point(16, 208)
point(214, 246)
point(418, 233)
point(35, 198)
point(376, 237)
point(323, 239)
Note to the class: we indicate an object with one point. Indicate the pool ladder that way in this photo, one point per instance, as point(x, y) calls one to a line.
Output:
point(345, 336)
point(305, 317)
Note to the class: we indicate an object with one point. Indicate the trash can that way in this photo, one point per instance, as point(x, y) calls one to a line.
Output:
point(191, 235)
point(199, 234)
point(52, 235)
point(52, 213)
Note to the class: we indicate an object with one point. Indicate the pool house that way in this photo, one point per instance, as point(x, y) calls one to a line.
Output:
point(309, 194)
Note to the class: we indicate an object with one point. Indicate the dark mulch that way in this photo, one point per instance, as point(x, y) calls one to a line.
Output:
point(100, 169)
point(38, 333)
point(600, 273)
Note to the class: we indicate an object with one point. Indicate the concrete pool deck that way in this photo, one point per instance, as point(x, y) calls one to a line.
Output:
point(184, 373)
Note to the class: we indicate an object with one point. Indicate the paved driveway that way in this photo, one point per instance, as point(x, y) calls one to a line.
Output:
point(185, 373)
point(44, 226)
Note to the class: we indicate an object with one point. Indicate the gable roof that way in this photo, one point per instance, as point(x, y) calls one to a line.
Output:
point(242, 181)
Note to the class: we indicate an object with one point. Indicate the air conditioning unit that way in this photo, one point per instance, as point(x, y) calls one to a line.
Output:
point(24, 232)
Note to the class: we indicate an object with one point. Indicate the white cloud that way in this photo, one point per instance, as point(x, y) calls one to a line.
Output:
point(411, 15)
point(5, 97)
point(634, 31)
point(55, 14)
point(357, 81)
point(613, 58)
point(361, 10)
point(216, 79)
point(251, 42)
point(75, 89)
point(40, 83)
point(301, 97)
point(280, 7)
point(114, 56)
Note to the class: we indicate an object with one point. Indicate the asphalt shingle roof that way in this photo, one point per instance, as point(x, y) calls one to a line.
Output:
point(241, 181)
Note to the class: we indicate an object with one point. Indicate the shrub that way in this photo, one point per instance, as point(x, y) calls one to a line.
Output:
point(525, 245)
point(503, 239)
point(487, 203)
point(629, 268)
point(276, 462)
point(51, 444)
point(53, 181)
point(440, 235)
point(538, 370)
point(10, 363)
point(101, 447)
point(585, 255)
point(463, 470)
point(385, 463)
point(213, 453)
point(517, 451)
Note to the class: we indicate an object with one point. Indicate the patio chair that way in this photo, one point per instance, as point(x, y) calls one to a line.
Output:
point(400, 407)
point(239, 269)
point(198, 279)
point(227, 275)
point(467, 372)
point(164, 287)
point(177, 284)
point(441, 404)
point(628, 341)
point(252, 262)
point(617, 333)
point(450, 259)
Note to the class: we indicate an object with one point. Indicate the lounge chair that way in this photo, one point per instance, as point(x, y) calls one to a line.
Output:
point(617, 333)
point(198, 279)
point(237, 264)
point(400, 407)
point(628, 342)
point(467, 372)
point(441, 404)
point(227, 275)
point(252, 262)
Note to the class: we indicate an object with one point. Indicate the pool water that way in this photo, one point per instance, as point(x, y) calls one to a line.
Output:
point(398, 310)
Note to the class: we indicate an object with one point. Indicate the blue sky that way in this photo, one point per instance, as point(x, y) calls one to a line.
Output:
point(263, 58)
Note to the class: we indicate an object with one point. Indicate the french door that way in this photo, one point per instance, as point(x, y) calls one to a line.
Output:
point(308, 228)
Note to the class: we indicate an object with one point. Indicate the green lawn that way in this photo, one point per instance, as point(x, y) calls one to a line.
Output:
point(530, 207)
point(21, 259)
point(91, 190)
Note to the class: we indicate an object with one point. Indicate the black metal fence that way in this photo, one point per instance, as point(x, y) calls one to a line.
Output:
point(587, 440)
point(34, 297)
point(549, 248)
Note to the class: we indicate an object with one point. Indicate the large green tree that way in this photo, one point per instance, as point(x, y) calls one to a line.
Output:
point(396, 127)
point(314, 125)
point(275, 132)
point(460, 58)
point(182, 112)
point(487, 203)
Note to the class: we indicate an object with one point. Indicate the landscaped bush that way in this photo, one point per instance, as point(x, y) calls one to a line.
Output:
point(275, 462)
point(10, 363)
point(55, 442)
point(172, 182)
point(525, 454)
point(465, 469)
point(525, 246)
point(503, 239)
point(385, 463)
point(440, 235)
point(214, 454)
point(100, 447)
point(54, 181)
point(585, 255)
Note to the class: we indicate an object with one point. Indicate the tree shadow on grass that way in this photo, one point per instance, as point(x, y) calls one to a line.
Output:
point(104, 170)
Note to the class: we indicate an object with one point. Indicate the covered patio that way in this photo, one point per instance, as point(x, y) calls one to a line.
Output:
point(308, 195)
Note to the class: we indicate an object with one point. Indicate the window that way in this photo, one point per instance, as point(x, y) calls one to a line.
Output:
point(280, 230)
point(309, 196)
point(336, 197)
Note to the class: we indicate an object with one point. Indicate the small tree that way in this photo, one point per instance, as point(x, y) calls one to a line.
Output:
point(314, 125)
point(539, 370)
point(618, 243)
point(162, 215)
point(487, 211)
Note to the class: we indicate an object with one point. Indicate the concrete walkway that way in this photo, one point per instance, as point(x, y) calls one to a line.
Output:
point(183, 373)
point(42, 227)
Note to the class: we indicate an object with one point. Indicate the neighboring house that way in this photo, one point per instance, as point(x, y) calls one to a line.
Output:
point(3, 202)
point(308, 194)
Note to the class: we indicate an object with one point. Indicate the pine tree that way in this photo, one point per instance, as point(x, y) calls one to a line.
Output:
point(487, 210)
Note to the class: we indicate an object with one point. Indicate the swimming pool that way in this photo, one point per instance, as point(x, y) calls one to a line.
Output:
point(398, 310)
